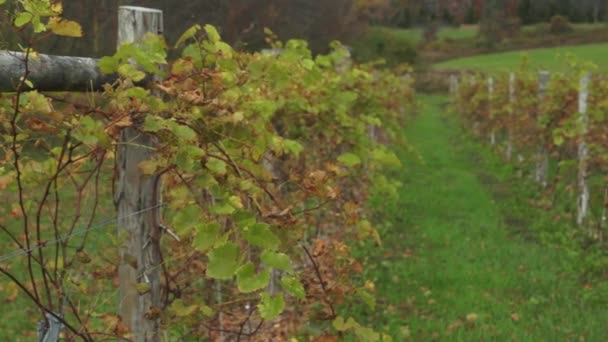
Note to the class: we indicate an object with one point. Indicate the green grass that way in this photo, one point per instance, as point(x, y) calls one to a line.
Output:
point(552, 59)
point(415, 34)
point(449, 253)
point(20, 314)
point(471, 31)
point(576, 26)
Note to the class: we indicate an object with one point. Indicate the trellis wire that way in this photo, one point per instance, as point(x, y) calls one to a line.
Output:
point(23, 251)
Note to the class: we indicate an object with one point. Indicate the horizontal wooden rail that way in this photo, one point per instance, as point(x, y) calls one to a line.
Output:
point(51, 73)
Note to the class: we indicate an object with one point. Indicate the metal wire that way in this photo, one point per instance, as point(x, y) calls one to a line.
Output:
point(23, 251)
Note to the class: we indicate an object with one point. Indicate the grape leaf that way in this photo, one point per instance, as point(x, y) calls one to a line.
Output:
point(248, 281)
point(206, 236)
point(259, 234)
point(276, 260)
point(271, 307)
point(223, 261)
point(349, 159)
point(292, 285)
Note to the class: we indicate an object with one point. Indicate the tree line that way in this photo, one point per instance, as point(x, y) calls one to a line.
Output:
point(241, 22)
point(408, 13)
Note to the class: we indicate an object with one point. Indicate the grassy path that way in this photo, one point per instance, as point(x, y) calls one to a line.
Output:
point(452, 271)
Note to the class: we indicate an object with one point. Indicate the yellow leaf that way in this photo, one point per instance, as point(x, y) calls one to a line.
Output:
point(57, 7)
point(148, 167)
point(142, 288)
point(63, 27)
point(472, 317)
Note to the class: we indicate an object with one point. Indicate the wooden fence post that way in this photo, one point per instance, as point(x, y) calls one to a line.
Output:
point(490, 114)
point(473, 82)
point(509, 150)
point(137, 201)
point(583, 189)
point(453, 85)
point(542, 158)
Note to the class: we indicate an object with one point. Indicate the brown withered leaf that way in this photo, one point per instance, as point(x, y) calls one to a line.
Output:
point(114, 323)
point(5, 181)
point(38, 125)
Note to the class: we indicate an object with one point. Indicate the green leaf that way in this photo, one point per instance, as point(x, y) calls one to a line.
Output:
point(206, 236)
point(136, 92)
point(207, 311)
point(248, 281)
point(308, 64)
point(212, 33)
point(189, 33)
point(341, 325)
point(188, 157)
point(292, 285)
point(349, 159)
point(293, 146)
point(276, 260)
point(183, 132)
point(181, 310)
point(367, 298)
point(385, 157)
point(216, 166)
point(108, 64)
point(266, 108)
point(23, 18)
point(223, 261)
point(154, 123)
point(130, 71)
point(223, 208)
point(186, 218)
point(558, 139)
point(271, 307)
point(260, 235)
point(2, 2)
point(236, 202)
point(366, 334)
point(182, 67)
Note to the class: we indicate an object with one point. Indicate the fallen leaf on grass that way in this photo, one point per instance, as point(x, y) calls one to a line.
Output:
point(515, 316)
point(453, 326)
point(472, 317)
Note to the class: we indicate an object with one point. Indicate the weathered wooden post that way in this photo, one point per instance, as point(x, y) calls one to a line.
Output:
point(542, 157)
point(453, 84)
point(509, 150)
point(137, 202)
point(490, 113)
point(472, 83)
point(583, 189)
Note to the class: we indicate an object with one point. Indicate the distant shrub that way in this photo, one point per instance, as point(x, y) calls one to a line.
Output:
point(560, 24)
point(430, 32)
point(378, 42)
point(512, 26)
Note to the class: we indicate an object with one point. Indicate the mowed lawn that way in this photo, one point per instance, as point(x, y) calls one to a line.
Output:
point(552, 59)
point(416, 34)
point(469, 31)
